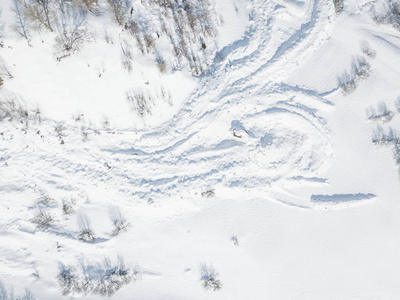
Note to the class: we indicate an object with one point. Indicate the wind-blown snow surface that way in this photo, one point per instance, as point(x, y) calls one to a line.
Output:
point(311, 200)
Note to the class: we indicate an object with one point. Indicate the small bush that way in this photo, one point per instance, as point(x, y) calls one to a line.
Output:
point(397, 104)
point(43, 219)
point(67, 207)
point(9, 294)
point(209, 278)
point(360, 69)
point(86, 233)
point(140, 102)
point(235, 240)
point(103, 278)
point(367, 50)
point(119, 221)
point(339, 5)
point(391, 16)
point(208, 193)
point(381, 114)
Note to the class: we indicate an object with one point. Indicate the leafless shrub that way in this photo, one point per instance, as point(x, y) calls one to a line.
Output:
point(9, 294)
point(140, 102)
point(126, 55)
point(59, 129)
point(107, 37)
point(208, 193)
point(367, 50)
point(209, 278)
point(67, 278)
point(381, 136)
point(45, 199)
point(67, 207)
point(1, 27)
point(235, 240)
point(43, 218)
point(39, 13)
point(161, 63)
point(120, 10)
point(339, 5)
point(381, 114)
point(4, 70)
point(137, 32)
point(149, 42)
point(391, 16)
point(119, 221)
point(86, 233)
point(20, 26)
point(72, 26)
point(90, 5)
point(103, 278)
point(397, 104)
point(360, 69)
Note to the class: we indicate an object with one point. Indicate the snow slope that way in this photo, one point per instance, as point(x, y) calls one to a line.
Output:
point(286, 156)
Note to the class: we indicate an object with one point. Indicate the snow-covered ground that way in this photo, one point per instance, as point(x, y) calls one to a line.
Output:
point(263, 169)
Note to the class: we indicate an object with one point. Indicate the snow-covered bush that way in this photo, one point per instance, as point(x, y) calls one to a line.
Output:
point(86, 233)
point(103, 278)
point(120, 10)
point(397, 104)
point(235, 240)
point(209, 278)
point(21, 22)
point(72, 26)
point(367, 50)
point(360, 69)
point(381, 114)
point(67, 207)
point(119, 221)
point(140, 102)
point(39, 13)
point(339, 5)
point(390, 14)
point(9, 294)
point(43, 218)
point(208, 194)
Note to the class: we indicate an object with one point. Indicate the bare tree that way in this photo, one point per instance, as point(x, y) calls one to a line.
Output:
point(1, 27)
point(86, 233)
point(120, 10)
point(20, 25)
point(72, 27)
point(4, 68)
point(39, 13)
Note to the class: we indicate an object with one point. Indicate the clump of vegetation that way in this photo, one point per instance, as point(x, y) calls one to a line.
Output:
point(209, 278)
point(339, 5)
point(43, 218)
point(67, 207)
point(119, 221)
point(140, 102)
point(367, 50)
point(9, 294)
point(360, 70)
point(104, 278)
point(391, 15)
point(382, 113)
point(208, 194)
point(86, 233)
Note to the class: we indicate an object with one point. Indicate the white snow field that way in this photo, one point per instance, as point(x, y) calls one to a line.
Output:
point(273, 175)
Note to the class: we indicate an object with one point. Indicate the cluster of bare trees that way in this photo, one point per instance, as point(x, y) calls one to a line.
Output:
point(67, 18)
point(190, 25)
point(391, 16)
